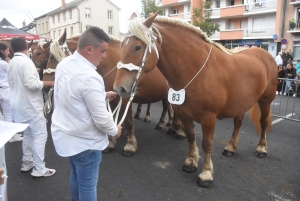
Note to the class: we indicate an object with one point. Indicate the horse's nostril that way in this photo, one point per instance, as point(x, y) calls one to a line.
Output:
point(123, 90)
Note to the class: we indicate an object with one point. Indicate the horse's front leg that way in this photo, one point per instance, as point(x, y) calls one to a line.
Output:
point(162, 119)
point(148, 113)
point(131, 146)
point(191, 163)
point(138, 111)
point(208, 123)
point(233, 143)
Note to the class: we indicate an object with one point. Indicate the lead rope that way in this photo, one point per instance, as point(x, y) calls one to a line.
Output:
point(48, 104)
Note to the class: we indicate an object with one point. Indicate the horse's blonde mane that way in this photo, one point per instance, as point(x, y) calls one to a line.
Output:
point(57, 51)
point(76, 37)
point(137, 28)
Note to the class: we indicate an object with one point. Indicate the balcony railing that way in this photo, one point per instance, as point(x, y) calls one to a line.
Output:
point(184, 16)
point(270, 5)
point(259, 32)
point(264, 6)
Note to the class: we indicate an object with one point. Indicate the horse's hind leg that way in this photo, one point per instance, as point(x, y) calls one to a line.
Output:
point(170, 114)
point(138, 111)
point(163, 114)
point(265, 121)
point(233, 143)
point(148, 113)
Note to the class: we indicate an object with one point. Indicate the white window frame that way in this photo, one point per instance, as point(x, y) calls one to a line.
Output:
point(71, 31)
point(70, 14)
point(64, 16)
point(218, 5)
point(110, 30)
point(53, 19)
point(58, 18)
point(87, 13)
point(258, 25)
point(53, 34)
point(110, 14)
point(176, 11)
point(260, 3)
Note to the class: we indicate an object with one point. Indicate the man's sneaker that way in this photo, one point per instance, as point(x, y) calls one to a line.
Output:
point(26, 166)
point(43, 173)
point(294, 95)
point(16, 138)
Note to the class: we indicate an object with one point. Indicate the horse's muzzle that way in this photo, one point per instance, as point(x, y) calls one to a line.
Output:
point(123, 91)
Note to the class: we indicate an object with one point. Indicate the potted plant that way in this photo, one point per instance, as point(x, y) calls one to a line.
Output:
point(292, 24)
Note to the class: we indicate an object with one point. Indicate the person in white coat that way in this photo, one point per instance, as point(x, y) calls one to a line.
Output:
point(278, 59)
point(27, 107)
point(5, 90)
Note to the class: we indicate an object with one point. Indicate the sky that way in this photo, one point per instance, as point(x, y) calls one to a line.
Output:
point(16, 11)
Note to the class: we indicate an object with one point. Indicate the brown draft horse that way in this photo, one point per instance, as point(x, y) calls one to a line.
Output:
point(227, 85)
point(106, 69)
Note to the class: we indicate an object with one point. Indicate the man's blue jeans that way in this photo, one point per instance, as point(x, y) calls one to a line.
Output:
point(84, 175)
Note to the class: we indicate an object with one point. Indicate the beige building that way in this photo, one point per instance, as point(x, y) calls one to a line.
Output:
point(77, 16)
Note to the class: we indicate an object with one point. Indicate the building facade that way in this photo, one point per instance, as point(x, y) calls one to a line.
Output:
point(242, 22)
point(78, 15)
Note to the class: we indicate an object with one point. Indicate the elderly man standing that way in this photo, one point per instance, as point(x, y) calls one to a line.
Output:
point(278, 59)
point(80, 121)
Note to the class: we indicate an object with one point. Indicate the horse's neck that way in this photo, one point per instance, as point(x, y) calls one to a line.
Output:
point(179, 72)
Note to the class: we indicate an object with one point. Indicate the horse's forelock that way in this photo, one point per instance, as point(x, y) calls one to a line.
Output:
point(41, 44)
point(57, 51)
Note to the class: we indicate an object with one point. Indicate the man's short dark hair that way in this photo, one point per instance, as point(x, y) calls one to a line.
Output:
point(93, 36)
point(18, 44)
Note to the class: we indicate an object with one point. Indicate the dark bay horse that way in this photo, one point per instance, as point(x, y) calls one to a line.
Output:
point(106, 69)
point(216, 82)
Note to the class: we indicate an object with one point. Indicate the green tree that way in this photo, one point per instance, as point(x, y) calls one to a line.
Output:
point(201, 18)
point(148, 6)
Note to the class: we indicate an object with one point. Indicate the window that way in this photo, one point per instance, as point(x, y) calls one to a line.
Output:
point(87, 26)
point(189, 8)
point(59, 33)
point(53, 19)
point(109, 14)
point(53, 34)
point(87, 13)
point(70, 13)
point(175, 11)
point(71, 31)
point(231, 25)
point(43, 27)
point(111, 30)
point(58, 18)
point(65, 18)
point(231, 2)
point(217, 4)
point(46, 26)
point(260, 3)
point(39, 28)
point(258, 24)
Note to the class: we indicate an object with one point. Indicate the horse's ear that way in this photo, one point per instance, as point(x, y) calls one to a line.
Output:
point(46, 45)
point(30, 44)
point(133, 15)
point(148, 22)
point(63, 38)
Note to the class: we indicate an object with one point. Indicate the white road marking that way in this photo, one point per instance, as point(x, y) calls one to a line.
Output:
point(280, 119)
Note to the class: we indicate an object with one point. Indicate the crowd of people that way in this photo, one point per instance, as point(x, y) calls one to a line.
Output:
point(81, 122)
point(289, 77)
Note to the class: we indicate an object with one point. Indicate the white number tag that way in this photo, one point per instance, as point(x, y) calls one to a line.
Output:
point(176, 97)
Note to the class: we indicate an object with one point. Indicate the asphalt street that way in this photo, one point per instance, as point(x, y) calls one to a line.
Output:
point(154, 172)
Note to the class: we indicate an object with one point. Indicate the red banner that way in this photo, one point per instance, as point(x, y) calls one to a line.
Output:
point(26, 37)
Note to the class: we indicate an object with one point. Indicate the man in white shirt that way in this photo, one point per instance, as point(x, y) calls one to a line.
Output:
point(278, 59)
point(27, 107)
point(80, 121)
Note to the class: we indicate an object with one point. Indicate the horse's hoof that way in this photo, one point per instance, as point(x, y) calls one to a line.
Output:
point(189, 169)
point(168, 124)
point(146, 120)
point(260, 155)
point(179, 137)
point(107, 150)
point(204, 184)
point(136, 116)
point(171, 132)
point(128, 153)
point(158, 127)
point(227, 153)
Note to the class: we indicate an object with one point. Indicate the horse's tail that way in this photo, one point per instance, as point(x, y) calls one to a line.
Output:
point(255, 114)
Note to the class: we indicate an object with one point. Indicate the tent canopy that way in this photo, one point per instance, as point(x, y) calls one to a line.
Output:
point(8, 31)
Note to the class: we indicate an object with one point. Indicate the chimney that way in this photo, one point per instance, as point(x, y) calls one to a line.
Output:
point(63, 4)
point(24, 23)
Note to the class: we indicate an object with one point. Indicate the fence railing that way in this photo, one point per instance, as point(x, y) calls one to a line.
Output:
point(287, 106)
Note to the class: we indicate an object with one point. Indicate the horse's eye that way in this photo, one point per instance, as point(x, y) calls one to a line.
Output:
point(38, 54)
point(137, 48)
point(52, 58)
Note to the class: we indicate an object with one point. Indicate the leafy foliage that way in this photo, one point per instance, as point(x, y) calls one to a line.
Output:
point(201, 18)
point(149, 6)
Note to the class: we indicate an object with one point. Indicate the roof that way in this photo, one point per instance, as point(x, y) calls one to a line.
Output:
point(5, 23)
point(68, 6)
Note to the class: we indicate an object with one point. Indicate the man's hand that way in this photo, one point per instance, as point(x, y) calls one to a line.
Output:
point(119, 132)
point(110, 95)
point(48, 84)
point(38, 70)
